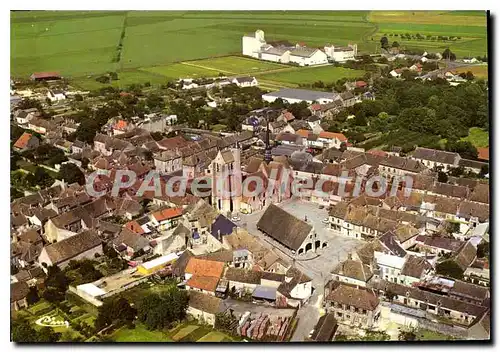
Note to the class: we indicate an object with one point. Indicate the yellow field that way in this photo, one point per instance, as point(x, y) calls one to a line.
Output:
point(429, 17)
point(478, 71)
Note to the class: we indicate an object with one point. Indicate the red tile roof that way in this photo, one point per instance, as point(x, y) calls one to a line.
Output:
point(361, 84)
point(135, 227)
point(45, 74)
point(120, 125)
point(203, 267)
point(303, 133)
point(166, 214)
point(483, 153)
point(206, 283)
point(315, 107)
point(22, 142)
point(332, 135)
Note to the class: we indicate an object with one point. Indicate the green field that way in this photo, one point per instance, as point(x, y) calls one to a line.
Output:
point(236, 65)
point(161, 45)
point(312, 74)
point(478, 137)
point(139, 334)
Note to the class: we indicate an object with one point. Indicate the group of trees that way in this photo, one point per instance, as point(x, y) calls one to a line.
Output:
point(23, 331)
point(160, 310)
point(412, 112)
point(418, 36)
point(117, 312)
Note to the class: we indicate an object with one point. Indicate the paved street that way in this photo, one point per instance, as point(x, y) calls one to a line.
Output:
point(316, 265)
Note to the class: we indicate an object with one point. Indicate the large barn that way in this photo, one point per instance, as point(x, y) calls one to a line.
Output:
point(256, 46)
point(291, 232)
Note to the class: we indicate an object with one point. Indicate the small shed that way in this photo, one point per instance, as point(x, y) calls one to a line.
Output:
point(266, 293)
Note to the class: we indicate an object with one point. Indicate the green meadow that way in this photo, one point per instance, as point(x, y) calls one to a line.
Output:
point(155, 46)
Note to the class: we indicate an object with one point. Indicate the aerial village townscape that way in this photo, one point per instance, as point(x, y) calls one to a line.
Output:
point(358, 139)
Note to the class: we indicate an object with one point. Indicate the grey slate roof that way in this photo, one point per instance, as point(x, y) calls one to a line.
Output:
point(284, 227)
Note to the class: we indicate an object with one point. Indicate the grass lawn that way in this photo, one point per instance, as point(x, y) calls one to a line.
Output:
point(478, 137)
point(214, 336)
point(139, 334)
point(218, 127)
point(26, 165)
point(312, 74)
point(180, 70)
point(237, 65)
point(429, 335)
point(183, 332)
point(39, 307)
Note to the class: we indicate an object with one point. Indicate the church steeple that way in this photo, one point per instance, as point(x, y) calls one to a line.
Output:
point(267, 153)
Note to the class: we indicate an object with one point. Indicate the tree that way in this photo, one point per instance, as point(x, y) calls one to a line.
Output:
point(87, 130)
point(83, 271)
point(465, 148)
point(78, 97)
point(40, 178)
point(450, 268)
point(484, 171)
point(442, 177)
point(155, 101)
point(85, 163)
point(117, 311)
point(22, 331)
point(160, 310)
point(390, 295)
point(56, 284)
point(384, 42)
point(71, 173)
point(469, 76)
point(407, 336)
point(29, 103)
point(449, 55)
point(47, 334)
point(157, 136)
point(32, 296)
point(226, 321)
point(103, 79)
point(456, 171)
point(483, 250)
point(408, 75)
point(395, 44)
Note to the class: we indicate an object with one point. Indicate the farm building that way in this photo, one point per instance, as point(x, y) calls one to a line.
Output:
point(292, 95)
point(157, 264)
point(45, 76)
point(256, 46)
point(341, 54)
point(244, 82)
point(203, 307)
